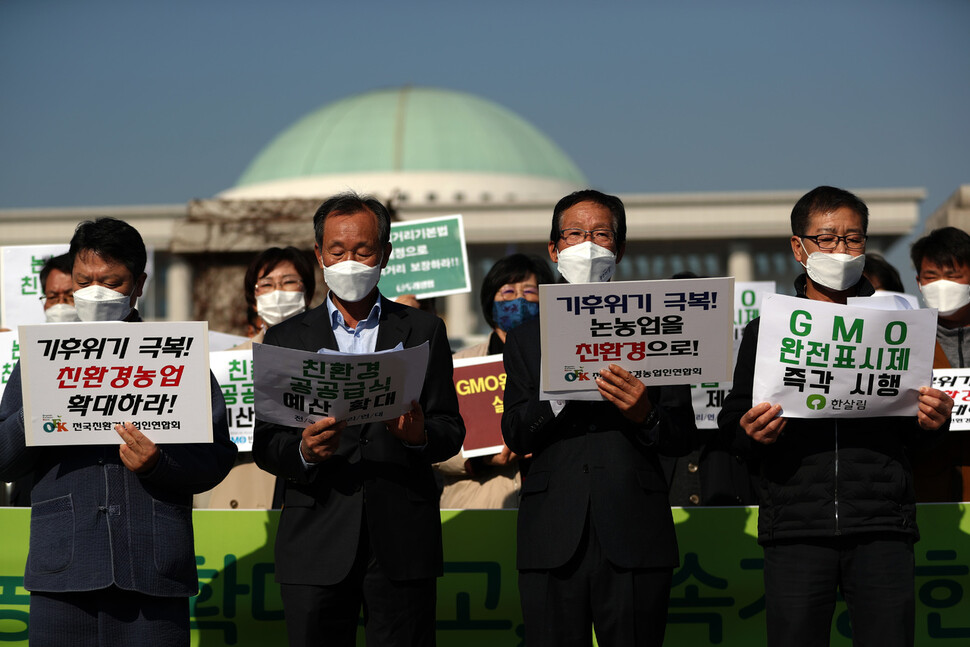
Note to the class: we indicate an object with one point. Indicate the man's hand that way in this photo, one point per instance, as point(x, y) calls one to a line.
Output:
point(321, 439)
point(138, 453)
point(934, 408)
point(504, 457)
point(762, 423)
point(626, 392)
point(409, 427)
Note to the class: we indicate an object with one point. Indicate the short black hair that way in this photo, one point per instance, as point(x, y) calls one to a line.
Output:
point(345, 204)
point(265, 262)
point(824, 199)
point(111, 239)
point(511, 269)
point(880, 272)
point(611, 202)
point(946, 247)
point(61, 263)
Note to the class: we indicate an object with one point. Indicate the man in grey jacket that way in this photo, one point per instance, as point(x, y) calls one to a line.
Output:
point(112, 557)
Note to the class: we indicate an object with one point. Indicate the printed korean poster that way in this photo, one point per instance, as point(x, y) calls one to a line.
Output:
point(428, 259)
point(233, 370)
point(9, 356)
point(296, 387)
point(480, 383)
point(664, 332)
point(955, 382)
point(82, 379)
point(821, 359)
point(21, 294)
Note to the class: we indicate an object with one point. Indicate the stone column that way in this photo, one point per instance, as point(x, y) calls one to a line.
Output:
point(178, 290)
point(740, 263)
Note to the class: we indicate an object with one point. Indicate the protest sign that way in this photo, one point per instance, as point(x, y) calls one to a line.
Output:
point(21, 294)
point(707, 399)
point(233, 370)
point(820, 359)
point(956, 383)
point(224, 341)
point(480, 383)
point(9, 356)
point(428, 258)
point(296, 387)
point(664, 332)
point(81, 379)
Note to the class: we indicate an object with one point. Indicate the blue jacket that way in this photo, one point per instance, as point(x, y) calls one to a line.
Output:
point(94, 523)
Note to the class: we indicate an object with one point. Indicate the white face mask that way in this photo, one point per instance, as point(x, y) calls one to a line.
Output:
point(61, 313)
point(946, 296)
point(98, 303)
point(837, 272)
point(273, 307)
point(586, 263)
point(350, 280)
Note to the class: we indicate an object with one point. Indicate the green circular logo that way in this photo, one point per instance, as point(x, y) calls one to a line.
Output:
point(815, 402)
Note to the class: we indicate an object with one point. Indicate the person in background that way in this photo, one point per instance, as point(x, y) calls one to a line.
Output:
point(837, 511)
point(509, 297)
point(279, 283)
point(112, 557)
point(942, 262)
point(55, 278)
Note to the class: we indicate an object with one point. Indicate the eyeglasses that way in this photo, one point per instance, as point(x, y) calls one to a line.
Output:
point(287, 283)
point(508, 293)
point(598, 236)
point(831, 241)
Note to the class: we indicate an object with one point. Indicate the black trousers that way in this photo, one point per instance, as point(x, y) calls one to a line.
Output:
point(396, 613)
point(107, 618)
point(874, 573)
point(562, 607)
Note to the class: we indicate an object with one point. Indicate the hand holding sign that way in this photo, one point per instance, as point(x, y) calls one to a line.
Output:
point(762, 423)
point(409, 427)
point(321, 439)
point(629, 394)
point(138, 453)
point(934, 408)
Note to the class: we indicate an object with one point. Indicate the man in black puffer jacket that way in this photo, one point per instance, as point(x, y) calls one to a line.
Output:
point(837, 508)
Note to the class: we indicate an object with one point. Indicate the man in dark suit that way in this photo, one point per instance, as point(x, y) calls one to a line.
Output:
point(112, 558)
point(360, 521)
point(596, 543)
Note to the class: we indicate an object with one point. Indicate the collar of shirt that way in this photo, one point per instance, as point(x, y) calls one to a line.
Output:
point(363, 338)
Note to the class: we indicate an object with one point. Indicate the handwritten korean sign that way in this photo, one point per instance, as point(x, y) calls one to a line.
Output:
point(822, 359)
point(428, 258)
point(295, 387)
point(81, 379)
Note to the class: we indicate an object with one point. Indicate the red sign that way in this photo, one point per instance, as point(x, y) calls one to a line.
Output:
point(480, 382)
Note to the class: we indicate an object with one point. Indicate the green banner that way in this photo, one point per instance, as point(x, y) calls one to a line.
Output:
point(717, 597)
point(428, 259)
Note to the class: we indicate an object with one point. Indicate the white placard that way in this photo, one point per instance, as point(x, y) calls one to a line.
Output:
point(296, 387)
point(81, 379)
point(820, 359)
point(664, 332)
point(20, 291)
point(956, 383)
point(224, 341)
point(9, 356)
point(233, 370)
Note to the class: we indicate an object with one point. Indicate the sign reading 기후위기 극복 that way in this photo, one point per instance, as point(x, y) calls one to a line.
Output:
point(664, 332)
point(428, 258)
point(81, 379)
point(956, 383)
point(819, 359)
point(297, 387)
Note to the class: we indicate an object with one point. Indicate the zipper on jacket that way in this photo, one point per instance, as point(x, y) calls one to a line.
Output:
point(838, 531)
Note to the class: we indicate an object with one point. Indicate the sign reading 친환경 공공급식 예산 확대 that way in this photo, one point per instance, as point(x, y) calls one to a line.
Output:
point(81, 379)
point(819, 359)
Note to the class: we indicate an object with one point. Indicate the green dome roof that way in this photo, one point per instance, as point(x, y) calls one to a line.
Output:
point(410, 129)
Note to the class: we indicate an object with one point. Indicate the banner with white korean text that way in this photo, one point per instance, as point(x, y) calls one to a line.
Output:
point(21, 294)
point(234, 373)
point(295, 387)
point(428, 258)
point(81, 379)
point(664, 332)
point(708, 397)
point(956, 383)
point(820, 359)
point(480, 384)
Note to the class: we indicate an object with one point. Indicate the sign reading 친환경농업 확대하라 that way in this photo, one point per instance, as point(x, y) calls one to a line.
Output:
point(819, 359)
point(664, 332)
point(81, 379)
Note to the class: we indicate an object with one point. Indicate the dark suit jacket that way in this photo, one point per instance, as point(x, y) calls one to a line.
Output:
point(372, 474)
point(94, 522)
point(591, 459)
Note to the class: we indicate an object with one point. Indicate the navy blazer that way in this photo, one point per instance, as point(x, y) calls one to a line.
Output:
point(95, 523)
point(590, 462)
point(372, 475)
